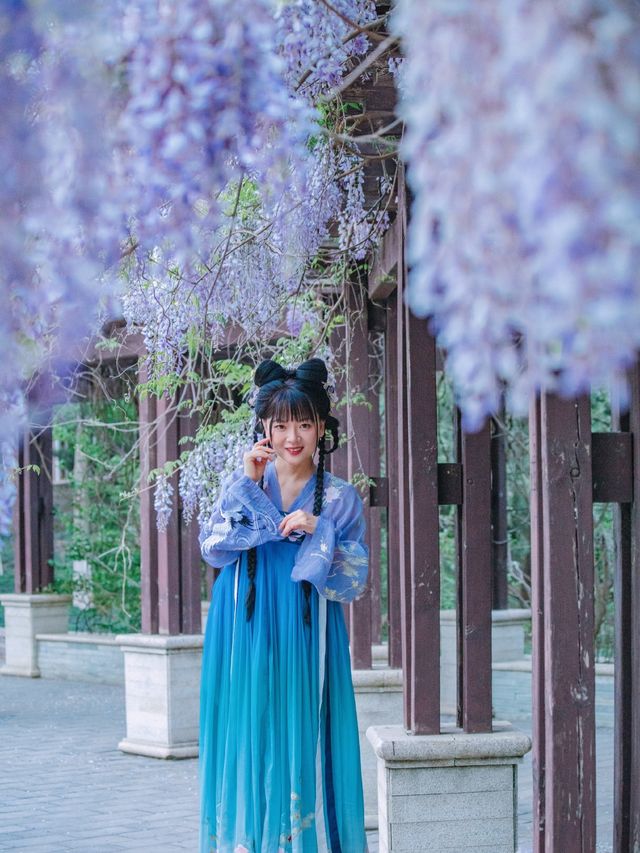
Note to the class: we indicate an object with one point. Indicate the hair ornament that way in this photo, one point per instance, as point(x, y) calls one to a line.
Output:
point(312, 370)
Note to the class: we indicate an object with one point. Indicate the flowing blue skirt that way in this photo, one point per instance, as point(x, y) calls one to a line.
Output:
point(279, 753)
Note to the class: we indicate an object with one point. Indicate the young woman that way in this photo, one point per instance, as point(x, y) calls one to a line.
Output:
point(279, 754)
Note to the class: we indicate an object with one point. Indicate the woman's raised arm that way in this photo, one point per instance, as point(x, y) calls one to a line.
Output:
point(335, 558)
point(243, 517)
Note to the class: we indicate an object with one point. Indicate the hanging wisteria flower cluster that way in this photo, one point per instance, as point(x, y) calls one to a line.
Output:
point(163, 501)
point(184, 139)
point(7, 486)
point(126, 123)
point(523, 145)
point(359, 229)
point(216, 456)
point(207, 102)
point(317, 40)
point(260, 260)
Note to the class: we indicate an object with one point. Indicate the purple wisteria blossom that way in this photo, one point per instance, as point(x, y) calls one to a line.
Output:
point(315, 41)
point(7, 487)
point(57, 247)
point(207, 103)
point(261, 258)
point(163, 502)
point(523, 145)
point(135, 121)
point(212, 459)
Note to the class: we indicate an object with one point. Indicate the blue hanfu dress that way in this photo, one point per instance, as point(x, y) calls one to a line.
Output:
point(279, 752)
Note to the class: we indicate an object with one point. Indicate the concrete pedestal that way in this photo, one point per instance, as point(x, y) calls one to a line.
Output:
point(162, 694)
point(26, 615)
point(448, 793)
point(378, 695)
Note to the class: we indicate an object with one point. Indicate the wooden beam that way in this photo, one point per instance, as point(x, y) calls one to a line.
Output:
point(375, 512)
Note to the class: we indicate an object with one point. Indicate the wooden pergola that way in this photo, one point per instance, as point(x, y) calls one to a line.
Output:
point(571, 468)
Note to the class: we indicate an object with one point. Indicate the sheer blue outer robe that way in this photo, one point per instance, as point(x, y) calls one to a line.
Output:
point(279, 753)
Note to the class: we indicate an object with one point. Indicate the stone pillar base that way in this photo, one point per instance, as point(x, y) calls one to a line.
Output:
point(162, 694)
point(378, 695)
point(448, 793)
point(25, 615)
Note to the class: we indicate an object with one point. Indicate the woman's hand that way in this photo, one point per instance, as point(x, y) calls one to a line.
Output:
point(298, 520)
point(255, 460)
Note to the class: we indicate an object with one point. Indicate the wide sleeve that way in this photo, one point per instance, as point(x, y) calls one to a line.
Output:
point(243, 517)
point(335, 558)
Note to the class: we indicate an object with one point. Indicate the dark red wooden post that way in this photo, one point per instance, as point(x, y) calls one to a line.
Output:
point(402, 444)
point(626, 824)
point(418, 528)
point(376, 322)
point(33, 514)
point(424, 549)
point(148, 530)
point(474, 582)
point(358, 452)
point(170, 561)
point(537, 628)
point(392, 468)
point(169, 621)
point(499, 550)
point(565, 574)
point(338, 462)
point(190, 560)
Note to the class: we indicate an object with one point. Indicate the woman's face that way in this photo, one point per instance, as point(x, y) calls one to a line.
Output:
point(294, 441)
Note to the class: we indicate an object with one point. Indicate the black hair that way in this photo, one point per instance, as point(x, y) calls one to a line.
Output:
point(297, 394)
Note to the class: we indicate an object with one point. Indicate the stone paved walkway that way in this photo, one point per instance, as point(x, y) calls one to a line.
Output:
point(66, 788)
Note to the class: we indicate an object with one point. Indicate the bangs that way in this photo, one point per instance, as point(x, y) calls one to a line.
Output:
point(290, 404)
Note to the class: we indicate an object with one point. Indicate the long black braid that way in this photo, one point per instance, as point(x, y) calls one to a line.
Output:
point(251, 572)
point(314, 400)
point(317, 509)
